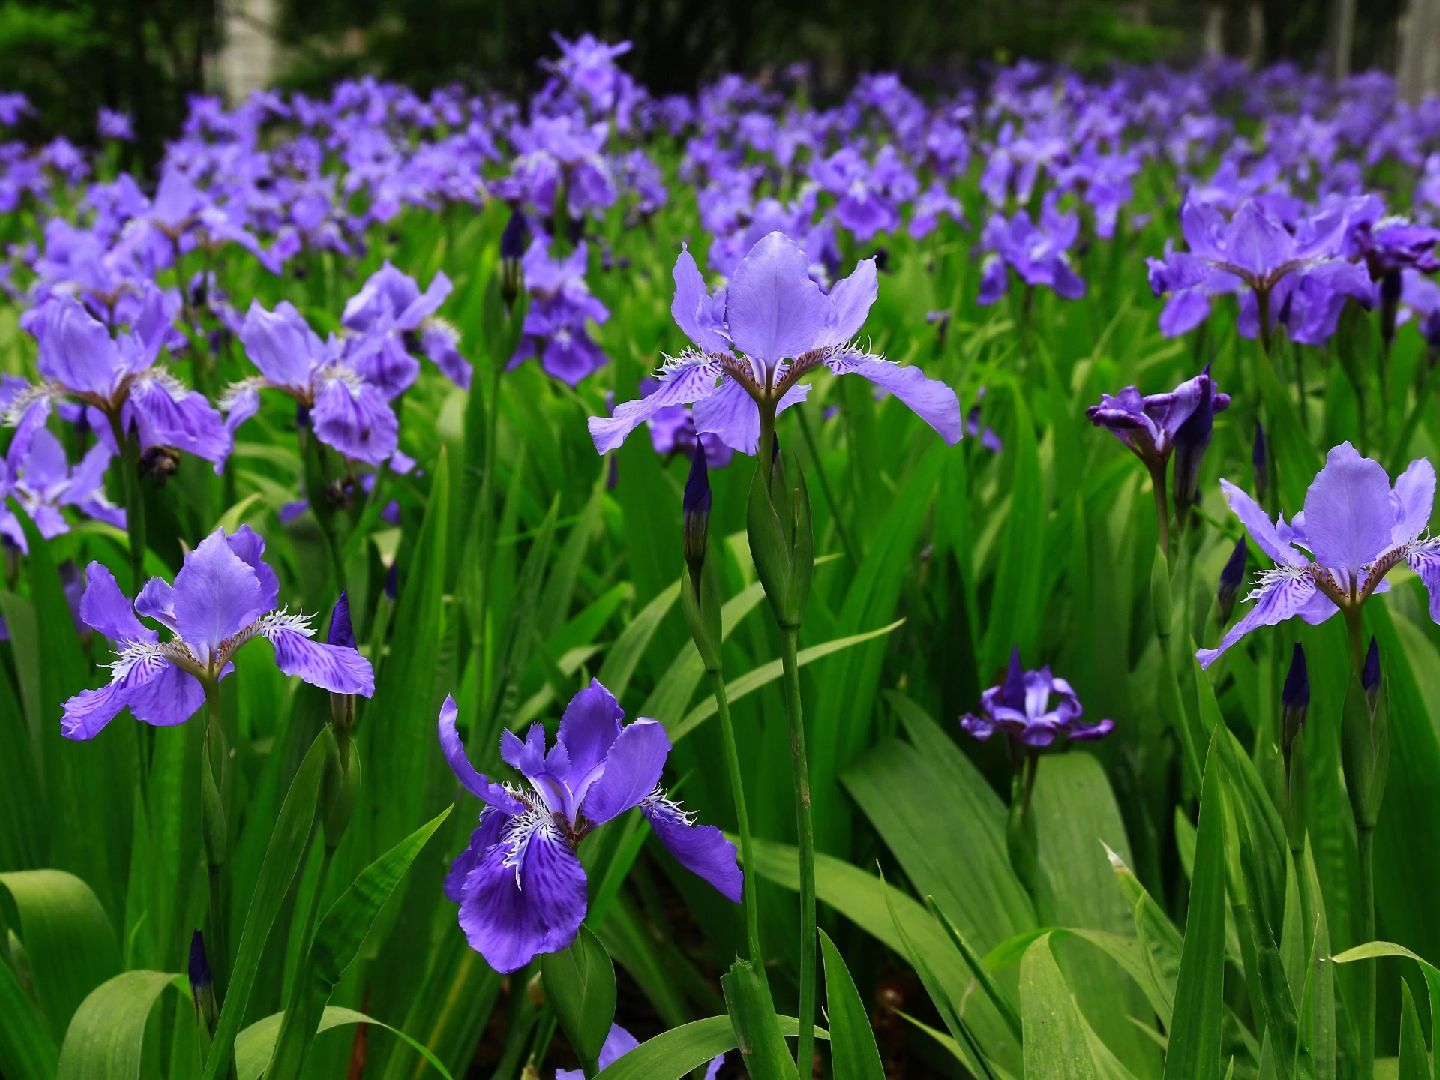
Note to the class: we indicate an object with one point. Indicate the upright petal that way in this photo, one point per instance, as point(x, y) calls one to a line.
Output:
point(589, 727)
point(105, 608)
point(1348, 517)
point(470, 779)
point(632, 769)
point(773, 308)
point(927, 398)
point(1281, 597)
point(690, 307)
point(250, 546)
point(216, 595)
point(525, 897)
point(850, 302)
point(281, 344)
point(76, 351)
point(701, 849)
point(1261, 529)
point(1413, 499)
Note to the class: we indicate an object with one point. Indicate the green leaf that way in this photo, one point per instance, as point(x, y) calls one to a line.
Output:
point(1414, 1062)
point(69, 943)
point(254, 1045)
point(1373, 950)
point(1194, 1049)
point(337, 942)
point(107, 1034)
point(853, 1053)
point(26, 1045)
point(681, 1050)
point(580, 986)
point(1059, 1044)
point(757, 1026)
point(283, 856)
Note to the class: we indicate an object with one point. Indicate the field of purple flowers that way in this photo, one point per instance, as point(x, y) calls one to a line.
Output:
point(906, 586)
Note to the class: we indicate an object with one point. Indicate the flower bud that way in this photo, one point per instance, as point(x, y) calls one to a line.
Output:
point(1370, 675)
point(512, 250)
point(202, 983)
point(342, 706)
point(1232, 576)
point(1294, 700)
point(1389, 304)
point(340, 790)
point(1191, 440)
point(696, 508)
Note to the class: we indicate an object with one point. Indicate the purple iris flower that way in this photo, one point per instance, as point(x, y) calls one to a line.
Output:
point(391, 310)
point(36, 473)
point(1355, 528)
point(112, 124)
point(1038, 252)
point(672, 431)
point(1387, 244)
point(868, 194)
point(930, 206)
point(1152, 425)
point(519, 884)
point(619, 1043)
point(1032, 708)
point(561, 306)
point(224, 596)
point(79, 359)
point(1254, 254)
point(348, 413)
point(757, 336)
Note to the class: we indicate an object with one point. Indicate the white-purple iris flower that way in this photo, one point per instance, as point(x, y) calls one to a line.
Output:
point(224, 596)
point(36, 473)
point(393, 314)
point(1033, 709)
point(1355, 528)
point(519, 883)
point(754, 340)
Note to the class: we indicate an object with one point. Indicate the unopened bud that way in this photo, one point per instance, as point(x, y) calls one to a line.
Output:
point(1294, 700)
point(1232, 576)
point(1370, 674)
point(696, 508)
point(202, 983)
point(1191, 440)
point(512, 250)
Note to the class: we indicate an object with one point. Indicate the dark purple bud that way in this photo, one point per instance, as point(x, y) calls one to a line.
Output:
point(302, 417)
point(1232, 576)
point(1294, 700)
point(1260, 459)
point(202, 982)
point(1012, 690)
point(1191, 439)
point(1370, 674)
point(512, 250)
point(696, 507)
point(392, 582)
point(1389, 304)
point(1430, 329)
point(341, 632)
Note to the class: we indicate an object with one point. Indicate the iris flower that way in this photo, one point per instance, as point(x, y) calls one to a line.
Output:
point(758, 336)
point(519, 884)
point(1336, 553)
point(224, 596)
point(1033, 708)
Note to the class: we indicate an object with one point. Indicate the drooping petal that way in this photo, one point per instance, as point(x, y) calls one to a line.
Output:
point(701, 849)
point(156, 600)
point(632, 769)
point(617, 1044)
point(731, 415)
point(355, 420)
point(1424, 559)
point(525, 896)
point(773, 308)
point(171, 698)
point(927, 398)
point(1348, 517)
point(216, 594)
point(1282, 597)
point(337, 668)
point(1413, 500)
point(690, 307)
point(1258, 524)
point(588, 727)
point(105, 608)
point(688, 379)
point(470, 778)
point(485, 836)
point(87, 713)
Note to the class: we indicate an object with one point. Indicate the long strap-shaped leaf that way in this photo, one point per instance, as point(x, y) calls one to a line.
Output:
point(253, 1045)
point(337, 942)
point(106, 1036)
point(282, 860)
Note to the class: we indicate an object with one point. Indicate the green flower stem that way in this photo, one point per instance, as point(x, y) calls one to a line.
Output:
point(742, 822)
point(805, 836)
point(1365, 975)
point(134, 498)
point(214, 832)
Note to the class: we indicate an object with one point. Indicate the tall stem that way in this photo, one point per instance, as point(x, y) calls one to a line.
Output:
point(214, 831)
point(1162, 507)
point(1365, 976)
point(134, 498)
point(805, 836)
point(742, 823)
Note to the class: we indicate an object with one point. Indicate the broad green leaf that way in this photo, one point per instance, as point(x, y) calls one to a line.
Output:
point(580, 986)
point(756, 1024)
point(283, 856)
point(1414, 1061)
point(69, 943)
point(26, 1046)
point(254, 1045)
point(853, 1053)
point(1059, 1044)
point(1194, 1048)
point(107, 1034)
point(337, 942)
point(681, 1050)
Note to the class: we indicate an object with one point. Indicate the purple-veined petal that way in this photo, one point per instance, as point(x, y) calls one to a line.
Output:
point(525, 896)
point(1424, 559)
point(701, 849)
point(688, 379)
point(588, 728)
point(337, 668)
point(171, 698)
point(1348, 517)
point(730, 414)
point(632, 769)
point(216, 594)
point(927, 398)
point(105, 608)
point(1413, 500)
point(355, 420)
point(1281, 597)
point(87, 713)
point(1261, 529)
point(470, 778)
point(772, 307)
point(485, 836)
point(851, 300)
point(281, 344)
point(250, 547)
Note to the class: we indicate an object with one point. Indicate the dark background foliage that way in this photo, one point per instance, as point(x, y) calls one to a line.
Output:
point(146, 56)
